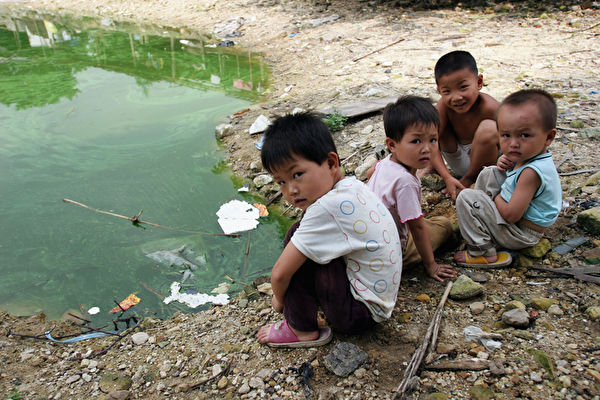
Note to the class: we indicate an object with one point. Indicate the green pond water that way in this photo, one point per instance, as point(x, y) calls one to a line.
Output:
point(120, 118)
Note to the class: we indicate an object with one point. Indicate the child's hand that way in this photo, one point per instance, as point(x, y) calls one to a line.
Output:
point(504, 164)
point(440, 271)
point(277, 305)
point(453, 188)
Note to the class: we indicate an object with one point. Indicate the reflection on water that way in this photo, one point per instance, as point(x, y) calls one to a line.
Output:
point(119, 118)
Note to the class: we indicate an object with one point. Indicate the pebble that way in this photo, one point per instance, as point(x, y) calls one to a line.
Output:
point(72, 379)
point(555, 310)
point(477, 307)
point(139, 338)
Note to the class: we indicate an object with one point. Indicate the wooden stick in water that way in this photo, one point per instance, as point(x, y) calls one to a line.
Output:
point(136, 220)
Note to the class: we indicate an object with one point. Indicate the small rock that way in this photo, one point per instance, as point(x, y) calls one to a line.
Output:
point(539, 250)
point(479, 392)
point(423, 298)
point(477, 307)
point(245, 388)
point(465, 288)
point(542, 303)
point(256, 383)
point(118, 395)
point(592, 256)
point(516, 317)
point(565, 381)
point(254, 167)
point(590, 220)
point(222, 384)
point(262, 180)
point(260, 125)
point(593, 313)
point(497, 368)
point(139, 338)
point(72, 379)
point(366, 130)
point(344, 358)
point(361, 170)
point(111, 382)
point(555, 310)
point(537, 378)
point(511, 305)
point(223, 130)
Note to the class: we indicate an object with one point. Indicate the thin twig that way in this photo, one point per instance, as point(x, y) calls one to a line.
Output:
point(160, 296)
point(579, 171)
point(246, 257)
point(415, 362)
point(286, 210)
point(378, 50)
point(350, 156)
point(273, 198)
point(584, 29)
point(136, 220)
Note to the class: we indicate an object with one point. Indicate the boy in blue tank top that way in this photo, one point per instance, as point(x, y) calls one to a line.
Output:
point(515, 201)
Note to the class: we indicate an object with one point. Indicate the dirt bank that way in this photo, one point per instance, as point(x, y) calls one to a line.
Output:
point(311, 47)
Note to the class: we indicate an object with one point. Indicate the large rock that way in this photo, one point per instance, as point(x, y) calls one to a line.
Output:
point(259, 125)
point(344, 359)
point(539, 250)
point(590, 220)
point(464, 288)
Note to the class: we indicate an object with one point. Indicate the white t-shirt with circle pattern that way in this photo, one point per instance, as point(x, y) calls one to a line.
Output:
point(351, 221)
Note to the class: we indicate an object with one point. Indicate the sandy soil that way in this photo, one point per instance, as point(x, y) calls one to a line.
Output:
point(312, 66)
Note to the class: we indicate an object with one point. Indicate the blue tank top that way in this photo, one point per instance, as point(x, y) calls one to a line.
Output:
point(547, 201)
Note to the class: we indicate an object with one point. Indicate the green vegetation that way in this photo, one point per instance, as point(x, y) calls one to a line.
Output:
point(14, 395)
point(335, 121)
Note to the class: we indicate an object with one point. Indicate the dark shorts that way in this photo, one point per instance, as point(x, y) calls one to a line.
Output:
point(327, 286)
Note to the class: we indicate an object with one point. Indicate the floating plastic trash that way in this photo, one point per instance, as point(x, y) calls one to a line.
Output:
point(194, 300)
point(237, 216)
point(262, 209)
point(94, 310)
point(129, 302)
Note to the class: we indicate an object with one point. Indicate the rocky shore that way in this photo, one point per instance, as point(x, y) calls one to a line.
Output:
point(545, 327)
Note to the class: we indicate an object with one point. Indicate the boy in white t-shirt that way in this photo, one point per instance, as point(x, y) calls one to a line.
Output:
point(411, 130)
point(344, 255)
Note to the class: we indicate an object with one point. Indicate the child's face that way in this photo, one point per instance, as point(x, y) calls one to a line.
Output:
point(414, 150)
point(460, 89)
point(522, 135)
point(303, 181)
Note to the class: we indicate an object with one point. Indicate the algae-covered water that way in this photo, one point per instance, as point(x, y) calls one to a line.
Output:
point(120, 118)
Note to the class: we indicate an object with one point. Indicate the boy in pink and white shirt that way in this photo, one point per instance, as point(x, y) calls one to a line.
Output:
point(411, 129)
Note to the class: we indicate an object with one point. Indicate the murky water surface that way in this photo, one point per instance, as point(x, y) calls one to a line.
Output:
point(120, 118)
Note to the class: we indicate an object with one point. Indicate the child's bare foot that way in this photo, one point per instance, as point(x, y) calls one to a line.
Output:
point(440, 271)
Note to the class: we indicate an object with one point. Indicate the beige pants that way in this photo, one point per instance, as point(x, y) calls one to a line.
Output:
point(480, 223)
point(440, 229)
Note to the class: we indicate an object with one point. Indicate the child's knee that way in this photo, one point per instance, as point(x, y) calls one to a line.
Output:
point(487, 131)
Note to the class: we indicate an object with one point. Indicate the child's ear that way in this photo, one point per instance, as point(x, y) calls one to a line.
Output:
point(479, 81)
point(333, 161)
point(551, 134)
point(390, 143)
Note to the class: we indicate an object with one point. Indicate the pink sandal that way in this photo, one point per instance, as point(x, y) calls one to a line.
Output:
point(280, 335)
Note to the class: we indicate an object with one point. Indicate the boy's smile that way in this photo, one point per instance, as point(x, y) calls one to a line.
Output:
point(303, 181)
point(460, 89)
point(414, 149)
point(522, 135)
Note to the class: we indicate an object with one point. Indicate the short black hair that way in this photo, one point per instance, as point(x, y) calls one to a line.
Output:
point(544, 101)
point(454, 61)
point(408, 111)
point(302, 134)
